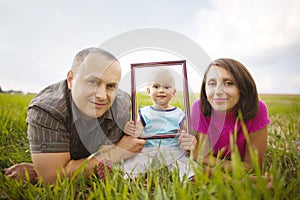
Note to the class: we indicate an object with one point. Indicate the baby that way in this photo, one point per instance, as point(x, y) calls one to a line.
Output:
point(159, 118)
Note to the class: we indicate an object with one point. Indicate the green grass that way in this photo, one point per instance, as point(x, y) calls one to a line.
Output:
point(14, 144)
point(282, 161)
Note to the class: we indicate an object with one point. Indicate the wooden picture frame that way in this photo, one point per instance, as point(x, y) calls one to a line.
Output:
point(179, 63)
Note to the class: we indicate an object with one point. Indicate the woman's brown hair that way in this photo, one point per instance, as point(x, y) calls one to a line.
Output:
point(248, 102)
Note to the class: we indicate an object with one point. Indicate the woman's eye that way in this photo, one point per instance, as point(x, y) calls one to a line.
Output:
point(228, 83)
point(211, 83)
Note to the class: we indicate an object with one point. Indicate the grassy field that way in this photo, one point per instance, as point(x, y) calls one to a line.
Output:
point(282, 161)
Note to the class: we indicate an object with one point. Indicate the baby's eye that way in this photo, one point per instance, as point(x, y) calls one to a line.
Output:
point(155, 86)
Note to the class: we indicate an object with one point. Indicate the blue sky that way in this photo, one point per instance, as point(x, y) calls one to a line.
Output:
point(40, 38)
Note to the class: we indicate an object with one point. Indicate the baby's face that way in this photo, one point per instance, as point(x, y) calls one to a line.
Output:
point(161, 93)
point(161, 88)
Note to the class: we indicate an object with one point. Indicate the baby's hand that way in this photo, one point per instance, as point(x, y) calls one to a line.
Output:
point(130, 128)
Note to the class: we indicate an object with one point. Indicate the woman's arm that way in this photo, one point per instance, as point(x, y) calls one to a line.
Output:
point(258, 143)
point(200, 148)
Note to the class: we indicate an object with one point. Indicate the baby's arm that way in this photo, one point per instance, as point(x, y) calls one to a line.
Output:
point(183, 126)
point(182, 122)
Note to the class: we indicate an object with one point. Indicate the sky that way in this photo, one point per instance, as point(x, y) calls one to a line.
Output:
point(39, 39)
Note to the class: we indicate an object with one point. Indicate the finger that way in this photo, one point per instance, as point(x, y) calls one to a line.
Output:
point(131, 127)
point(141, 148)
point(182, 146)
point(184, 135)
point(141, 141)
point(179, 139)
point(131, 133)
point(137, 149)
point(9, 170)
point(13, 175)
point(186, 142)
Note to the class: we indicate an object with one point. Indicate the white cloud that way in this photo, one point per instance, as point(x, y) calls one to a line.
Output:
point(246, 28)
point(278, 83)
point(39, 40)
point(263, 35)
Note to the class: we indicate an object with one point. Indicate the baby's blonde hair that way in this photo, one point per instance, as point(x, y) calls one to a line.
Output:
point(161, 73)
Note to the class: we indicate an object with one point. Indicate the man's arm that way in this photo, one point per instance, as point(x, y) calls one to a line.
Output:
point(49, 165)
point(18, 172)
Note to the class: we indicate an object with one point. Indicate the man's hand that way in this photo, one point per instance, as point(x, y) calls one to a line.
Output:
point(18, 172)
point(126, 148)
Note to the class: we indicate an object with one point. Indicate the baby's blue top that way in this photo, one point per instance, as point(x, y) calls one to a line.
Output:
point(159, 122)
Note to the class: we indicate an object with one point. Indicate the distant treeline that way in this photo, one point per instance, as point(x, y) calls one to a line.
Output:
point(11, 91)
point(14, 91)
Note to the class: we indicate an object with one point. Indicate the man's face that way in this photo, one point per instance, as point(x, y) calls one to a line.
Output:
point(94, 85)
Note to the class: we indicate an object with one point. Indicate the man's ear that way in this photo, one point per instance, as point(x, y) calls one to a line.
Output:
point(70, 79)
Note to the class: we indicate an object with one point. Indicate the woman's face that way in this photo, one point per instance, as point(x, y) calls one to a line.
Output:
point(221, 90)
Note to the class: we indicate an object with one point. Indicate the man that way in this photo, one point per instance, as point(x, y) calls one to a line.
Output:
point(85, 114)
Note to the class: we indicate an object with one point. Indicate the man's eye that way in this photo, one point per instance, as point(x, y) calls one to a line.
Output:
point(111, 86)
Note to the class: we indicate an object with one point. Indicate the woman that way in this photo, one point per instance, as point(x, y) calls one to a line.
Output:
point(227, 90)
